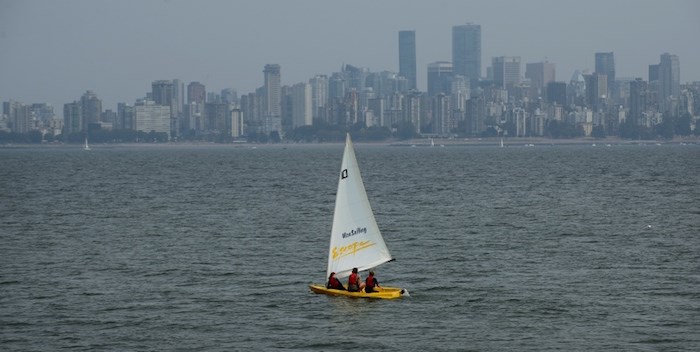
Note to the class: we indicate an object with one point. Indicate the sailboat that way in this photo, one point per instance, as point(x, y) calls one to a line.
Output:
point(355, 238)
point(501, 142)
point(86, 147)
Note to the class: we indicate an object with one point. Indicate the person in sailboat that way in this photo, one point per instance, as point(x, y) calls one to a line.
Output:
point(371, 283)
point(334, 283)
point(355, 283)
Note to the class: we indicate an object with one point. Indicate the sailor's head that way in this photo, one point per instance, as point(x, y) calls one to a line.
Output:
point(354, 270)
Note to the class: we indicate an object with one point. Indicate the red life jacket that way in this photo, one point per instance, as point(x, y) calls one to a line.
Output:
point(353, 279)
point(369, 282)
point(334, 283)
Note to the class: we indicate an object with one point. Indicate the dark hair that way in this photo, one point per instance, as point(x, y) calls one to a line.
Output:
point(354, 270)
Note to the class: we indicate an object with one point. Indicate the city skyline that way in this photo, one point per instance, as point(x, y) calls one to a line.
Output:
point(220, 43)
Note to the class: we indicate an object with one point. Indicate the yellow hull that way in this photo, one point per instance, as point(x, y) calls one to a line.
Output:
point(384, 292)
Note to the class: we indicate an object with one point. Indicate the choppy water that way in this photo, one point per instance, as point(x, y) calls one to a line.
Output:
point(212, 249)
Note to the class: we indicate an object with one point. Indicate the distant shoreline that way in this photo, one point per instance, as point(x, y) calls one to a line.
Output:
point(417, 142)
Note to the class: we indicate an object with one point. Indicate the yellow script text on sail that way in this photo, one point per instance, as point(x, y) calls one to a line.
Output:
point(352, 248)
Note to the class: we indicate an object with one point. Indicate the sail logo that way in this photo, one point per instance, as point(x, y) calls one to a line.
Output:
point(354, 232)
point(344, 174)
point(352, 248)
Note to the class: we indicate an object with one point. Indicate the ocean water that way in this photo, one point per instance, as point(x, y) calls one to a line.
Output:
point(211, 248)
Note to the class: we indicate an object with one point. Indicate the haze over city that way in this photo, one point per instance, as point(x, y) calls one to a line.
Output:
point(53, 51)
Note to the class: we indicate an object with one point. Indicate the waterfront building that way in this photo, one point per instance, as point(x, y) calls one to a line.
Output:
point(151, 117)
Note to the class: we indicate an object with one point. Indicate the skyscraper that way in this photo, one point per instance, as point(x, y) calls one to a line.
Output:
point(272, 106)
point(506, 70)
point(162, 92)
point(72, 118)
point(540, 74)
point(302, 114)
point(466, 51)
point(439, 74)
point(165, 94)
point(196, 93)
point(407, 57)
point(91, 109)
point(605, 65)
point(669, 80)
point(638, 100)
point(319, 95)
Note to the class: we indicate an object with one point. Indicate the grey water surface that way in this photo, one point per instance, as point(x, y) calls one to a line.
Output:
point(211, 248)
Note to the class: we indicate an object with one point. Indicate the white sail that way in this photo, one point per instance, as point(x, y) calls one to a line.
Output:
point(87, 147)
point(355, 238)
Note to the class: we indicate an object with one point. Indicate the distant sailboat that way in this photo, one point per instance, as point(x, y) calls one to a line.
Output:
point(432, 142)
point(501, 142)
point(86, 147)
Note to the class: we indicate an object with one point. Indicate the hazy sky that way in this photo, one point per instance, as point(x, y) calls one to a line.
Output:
point(54, 50)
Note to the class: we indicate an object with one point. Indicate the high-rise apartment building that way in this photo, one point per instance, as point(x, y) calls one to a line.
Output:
point(638, 100)
point(301, 105)
point(439, 77)
point(407, 57)
point(506, 71)
point(19, 116)
point(319, 96)
point(165, 93)
point(178, 97)
point(72, 118)
point(466, 51)
point(272, 106)
point(152, 117)
point(91, 108)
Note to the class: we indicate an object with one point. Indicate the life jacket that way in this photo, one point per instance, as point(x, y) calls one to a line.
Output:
point(334, 283)
point(369, 282)
point(353, 279)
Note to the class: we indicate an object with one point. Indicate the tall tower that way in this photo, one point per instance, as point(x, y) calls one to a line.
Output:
point(91, 109)
point(638, 100)
point(466, 51)
point(272, 106)
point(319, 95)
point(669, 79)
point(605, 65)
point(407, 57)
point(301, 105)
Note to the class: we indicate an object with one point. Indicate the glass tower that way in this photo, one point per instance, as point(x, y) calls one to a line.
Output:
point(466, 51)
point(407, 57)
